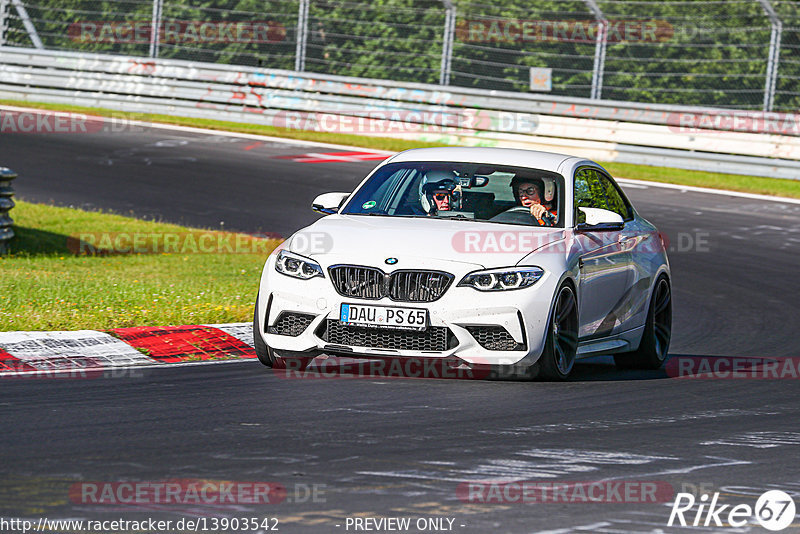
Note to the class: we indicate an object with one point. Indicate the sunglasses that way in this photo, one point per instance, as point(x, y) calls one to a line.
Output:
point(528, 191)
point(441, 196)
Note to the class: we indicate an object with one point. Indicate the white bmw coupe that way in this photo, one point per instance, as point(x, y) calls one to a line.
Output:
point(477, 257)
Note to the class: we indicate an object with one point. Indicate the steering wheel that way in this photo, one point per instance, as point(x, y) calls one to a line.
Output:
point(522, 215)
point(519, 209)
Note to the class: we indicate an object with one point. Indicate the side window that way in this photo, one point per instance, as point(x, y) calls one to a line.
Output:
point(588, 193)
point(614, 200)
point(594, 189)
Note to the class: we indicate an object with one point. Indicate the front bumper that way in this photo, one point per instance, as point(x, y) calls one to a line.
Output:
point(465, 324)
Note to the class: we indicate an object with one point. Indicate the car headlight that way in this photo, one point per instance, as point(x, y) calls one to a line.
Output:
point(297, 266)
point(502, 279)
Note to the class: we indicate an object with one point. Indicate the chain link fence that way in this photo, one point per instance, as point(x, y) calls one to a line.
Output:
point(741, 54)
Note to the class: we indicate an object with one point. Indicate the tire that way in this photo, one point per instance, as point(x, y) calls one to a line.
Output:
point(263, 352)
point(561, 343)
point(654, 347)
point(267, 354)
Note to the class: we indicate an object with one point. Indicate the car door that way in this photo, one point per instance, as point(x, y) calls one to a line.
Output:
point(605, 260)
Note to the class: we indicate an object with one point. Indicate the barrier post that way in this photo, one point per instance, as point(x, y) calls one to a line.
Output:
point(600, 45)
point(3, 21)
point(447, 41)
point(302, 36)
point(776, 27)
point(155, 28)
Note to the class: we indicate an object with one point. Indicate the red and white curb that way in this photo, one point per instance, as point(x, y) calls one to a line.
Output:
point(42, 353)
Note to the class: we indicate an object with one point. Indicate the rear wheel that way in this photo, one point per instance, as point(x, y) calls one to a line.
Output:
point(654, 346)
point(561, 344)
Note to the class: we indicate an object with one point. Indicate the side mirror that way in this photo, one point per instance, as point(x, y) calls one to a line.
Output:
point(598, 219)
point(328, 203)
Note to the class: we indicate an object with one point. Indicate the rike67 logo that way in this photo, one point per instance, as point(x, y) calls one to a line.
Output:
point(774, 510)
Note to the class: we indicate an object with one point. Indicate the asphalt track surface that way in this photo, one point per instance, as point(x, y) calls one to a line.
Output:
point(400, 447)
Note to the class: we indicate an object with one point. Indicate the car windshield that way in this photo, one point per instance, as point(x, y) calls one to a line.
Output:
point(463, 191)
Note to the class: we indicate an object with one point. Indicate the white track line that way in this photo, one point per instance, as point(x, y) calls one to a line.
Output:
point(710, 191)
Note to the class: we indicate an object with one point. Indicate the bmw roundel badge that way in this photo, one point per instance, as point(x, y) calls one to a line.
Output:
point(391, 261)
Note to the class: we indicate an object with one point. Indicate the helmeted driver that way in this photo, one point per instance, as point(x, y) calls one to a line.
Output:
point(529, 193)
point(439, 192)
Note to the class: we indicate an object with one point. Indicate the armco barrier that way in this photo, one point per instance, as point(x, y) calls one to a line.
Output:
point(692, 138)
point(6, 203)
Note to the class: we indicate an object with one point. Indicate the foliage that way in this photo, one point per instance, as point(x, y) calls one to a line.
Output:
point(708, 53)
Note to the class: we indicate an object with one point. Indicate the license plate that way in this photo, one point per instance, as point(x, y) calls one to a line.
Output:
point(385, 316)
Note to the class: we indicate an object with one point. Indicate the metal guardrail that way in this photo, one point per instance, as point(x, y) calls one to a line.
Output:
point(683, 137)
point(6, 203)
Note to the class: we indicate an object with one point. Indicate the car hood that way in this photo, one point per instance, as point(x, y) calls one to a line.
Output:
point(370, 240)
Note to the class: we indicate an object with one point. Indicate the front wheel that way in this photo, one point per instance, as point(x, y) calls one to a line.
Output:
point(267, 355)
point(263, 352)
point(654, 346)
point(561, 345)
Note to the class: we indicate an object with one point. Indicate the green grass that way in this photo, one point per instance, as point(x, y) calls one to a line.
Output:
point(45, 286)
point(734, 182)
point(713, 180)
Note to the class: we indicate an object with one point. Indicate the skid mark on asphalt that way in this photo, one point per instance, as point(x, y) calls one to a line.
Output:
point(716, 462)
point(759, 440)
point(594, 457)
point(609, 424)
point(535, 464)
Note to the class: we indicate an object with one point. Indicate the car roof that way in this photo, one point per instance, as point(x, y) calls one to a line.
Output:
point(548, 161)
